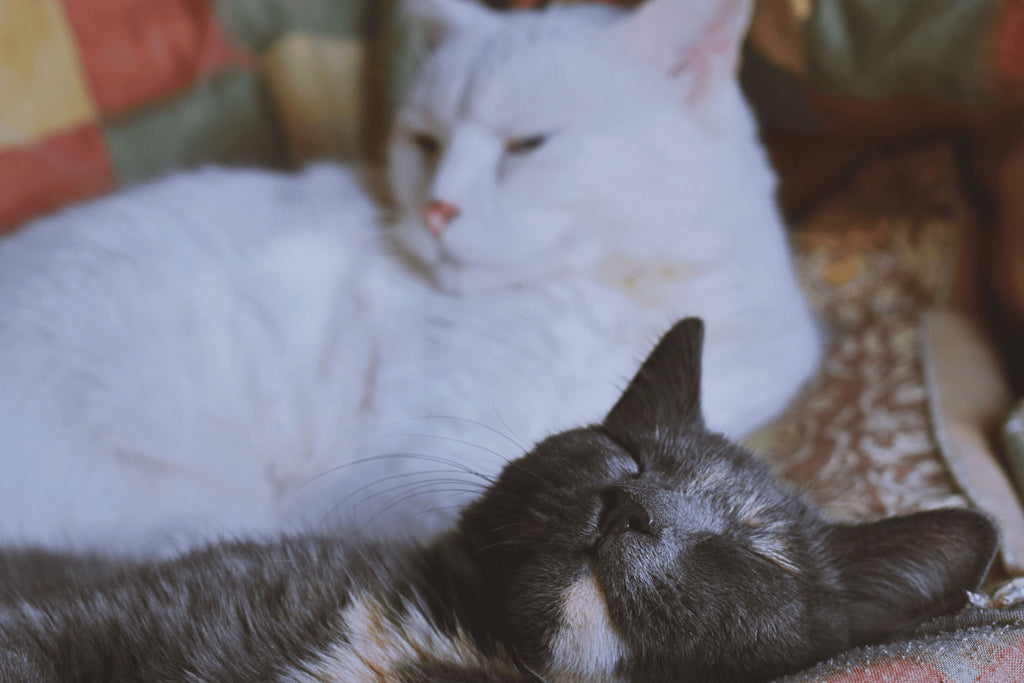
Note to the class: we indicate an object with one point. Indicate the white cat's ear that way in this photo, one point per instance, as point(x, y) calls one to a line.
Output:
point(439, 18)
point(695, 42)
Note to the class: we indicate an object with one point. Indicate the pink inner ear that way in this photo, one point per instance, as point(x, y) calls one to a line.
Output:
point(715, 53)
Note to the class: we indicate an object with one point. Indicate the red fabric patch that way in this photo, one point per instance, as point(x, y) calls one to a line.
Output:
point(896, 670)
point(39, 177)
point(1009, 52)
point(1007, 665)
point(137, 51)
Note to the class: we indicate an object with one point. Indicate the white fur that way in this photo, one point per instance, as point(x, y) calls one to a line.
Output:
point(182, 357)
point(586, 646)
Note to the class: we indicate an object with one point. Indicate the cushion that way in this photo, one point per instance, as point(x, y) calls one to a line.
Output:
point(899, 418)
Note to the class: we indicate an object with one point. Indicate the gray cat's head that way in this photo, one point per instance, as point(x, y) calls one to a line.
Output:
point(648, 548)
point(530, 139)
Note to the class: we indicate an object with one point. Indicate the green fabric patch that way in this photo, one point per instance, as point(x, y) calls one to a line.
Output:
point(226, 119)
point(776, 94)
point(873, 49)
point(258, 23)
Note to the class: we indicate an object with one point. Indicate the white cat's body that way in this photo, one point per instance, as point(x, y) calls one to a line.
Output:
point(187, 356)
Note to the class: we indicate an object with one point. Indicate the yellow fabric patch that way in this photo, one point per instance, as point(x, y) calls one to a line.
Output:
point(801, 9)
point(316, 86)
point(42, 84)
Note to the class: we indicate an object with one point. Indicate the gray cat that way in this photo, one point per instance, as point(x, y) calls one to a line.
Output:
point(643, 548)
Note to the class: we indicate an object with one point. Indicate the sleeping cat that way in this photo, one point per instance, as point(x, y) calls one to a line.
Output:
point(186, 357)
point(643, 548)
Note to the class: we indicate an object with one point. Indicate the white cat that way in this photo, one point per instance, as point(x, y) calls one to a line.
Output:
point(187, 356)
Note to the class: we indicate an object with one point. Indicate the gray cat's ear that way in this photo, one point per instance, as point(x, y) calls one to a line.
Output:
point(696, 42)
point(438, 18)
point(900, 572)
point(665, 392)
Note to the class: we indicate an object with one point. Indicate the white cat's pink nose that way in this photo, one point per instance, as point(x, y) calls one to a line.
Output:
point(437, 215)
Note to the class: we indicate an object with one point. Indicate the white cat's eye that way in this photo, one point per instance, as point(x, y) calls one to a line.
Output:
point(525, 144)
point(426, 143)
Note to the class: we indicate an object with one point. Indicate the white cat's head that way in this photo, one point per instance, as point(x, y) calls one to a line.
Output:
point(529, 140)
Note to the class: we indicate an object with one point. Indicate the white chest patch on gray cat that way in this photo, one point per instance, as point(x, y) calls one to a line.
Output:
point(586, 646)
point(378, 644)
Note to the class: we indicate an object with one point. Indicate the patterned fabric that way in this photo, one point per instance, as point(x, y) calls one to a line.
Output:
point(981, 645)
point(98, 93)
point(873, 258)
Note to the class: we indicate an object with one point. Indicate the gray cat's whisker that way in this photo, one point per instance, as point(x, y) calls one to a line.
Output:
point(417, 492)
point(404, 455)
point(503, 543)
point(436, 508)
point(513, 463)
point(370, 491)
point(450, 439)
point(510, 525)
point(407, 487)
point(518, 439)
point(523, 448)
point(423, 488)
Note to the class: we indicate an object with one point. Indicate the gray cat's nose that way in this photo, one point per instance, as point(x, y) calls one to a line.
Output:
point(437, 214)
point(622, 512)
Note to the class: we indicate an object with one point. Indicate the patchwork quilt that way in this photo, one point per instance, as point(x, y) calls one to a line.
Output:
point(98, 93)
